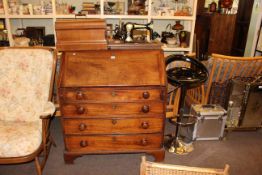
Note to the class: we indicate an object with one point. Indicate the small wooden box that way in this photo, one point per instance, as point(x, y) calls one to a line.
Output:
point(77, 35)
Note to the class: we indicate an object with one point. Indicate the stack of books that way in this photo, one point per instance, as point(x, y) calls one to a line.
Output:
point(88, 8)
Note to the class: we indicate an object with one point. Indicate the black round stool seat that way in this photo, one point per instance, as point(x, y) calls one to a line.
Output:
point(184, 76)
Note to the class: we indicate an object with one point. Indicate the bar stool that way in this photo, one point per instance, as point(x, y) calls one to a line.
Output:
point(185, 78)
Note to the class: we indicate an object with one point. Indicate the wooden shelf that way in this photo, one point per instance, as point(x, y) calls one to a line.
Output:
point(158, 26)
point(30, 16)
point(72, 16)
point(187, 18)
point(125, 16)
point(175, 49)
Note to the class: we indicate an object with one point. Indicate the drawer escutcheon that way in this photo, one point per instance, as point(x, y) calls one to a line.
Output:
point(114, 121)
point(144, 142)
point(114, 94)
point(114, 106)
point(83, 143)
point(79, 95)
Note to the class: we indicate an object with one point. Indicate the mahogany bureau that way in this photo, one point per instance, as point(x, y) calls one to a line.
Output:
point(113, 100)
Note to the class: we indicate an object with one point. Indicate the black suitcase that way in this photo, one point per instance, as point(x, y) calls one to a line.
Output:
point(245, 97)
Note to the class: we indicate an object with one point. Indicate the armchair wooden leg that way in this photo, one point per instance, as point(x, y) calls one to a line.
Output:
point(38, 166)
point(44, 155)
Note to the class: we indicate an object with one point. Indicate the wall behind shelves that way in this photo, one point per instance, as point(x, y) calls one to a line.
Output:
point(23, 23)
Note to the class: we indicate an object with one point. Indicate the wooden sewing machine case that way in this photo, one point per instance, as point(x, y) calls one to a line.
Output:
point(80, 34)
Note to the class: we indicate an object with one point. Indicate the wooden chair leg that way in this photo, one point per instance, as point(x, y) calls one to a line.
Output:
point(38, 166)
point(44, 155)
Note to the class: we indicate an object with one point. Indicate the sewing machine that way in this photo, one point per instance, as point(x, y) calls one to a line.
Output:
point(133, 32)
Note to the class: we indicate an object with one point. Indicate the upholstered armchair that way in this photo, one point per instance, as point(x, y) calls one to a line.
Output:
point(26, 83)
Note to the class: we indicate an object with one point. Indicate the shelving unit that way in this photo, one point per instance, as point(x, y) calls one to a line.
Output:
point(160, 22)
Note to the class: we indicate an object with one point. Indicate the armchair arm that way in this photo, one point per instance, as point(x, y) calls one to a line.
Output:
point(46, 114)
point(48, 111)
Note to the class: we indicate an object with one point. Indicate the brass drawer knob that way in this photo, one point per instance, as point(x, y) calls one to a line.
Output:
point(80, 110)
point(79, 95)
point(144, 142)
point(145, 125)
point(82, 127)
point(146, 95)
point(83, 143)
point(145, 109)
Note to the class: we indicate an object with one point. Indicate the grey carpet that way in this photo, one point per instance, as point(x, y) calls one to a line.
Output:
point(242, 151)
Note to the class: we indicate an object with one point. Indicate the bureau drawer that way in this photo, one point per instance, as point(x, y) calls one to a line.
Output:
point(114, 126)
point(110, 94)
point(116, 143)
point(109, 109)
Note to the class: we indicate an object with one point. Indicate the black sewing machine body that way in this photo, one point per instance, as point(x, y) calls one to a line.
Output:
point(129, 32)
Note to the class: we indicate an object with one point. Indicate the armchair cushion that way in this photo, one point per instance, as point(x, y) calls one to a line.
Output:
point(22, 138)
point(25, 76)
point(19, 138)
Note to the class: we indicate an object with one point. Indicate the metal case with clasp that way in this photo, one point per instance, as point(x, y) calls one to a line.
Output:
point(211, 120)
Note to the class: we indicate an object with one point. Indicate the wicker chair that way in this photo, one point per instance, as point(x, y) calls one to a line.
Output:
point(26, 83)
point(222, 68)
point(152, 168)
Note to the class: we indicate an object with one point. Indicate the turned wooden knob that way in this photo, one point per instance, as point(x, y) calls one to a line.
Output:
point(83, 143)
point(82, 127)
point(146, 95)
point(145, 125)
point(144, 142)
point(80, 110)
point(79, 95)
point(145, 109)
